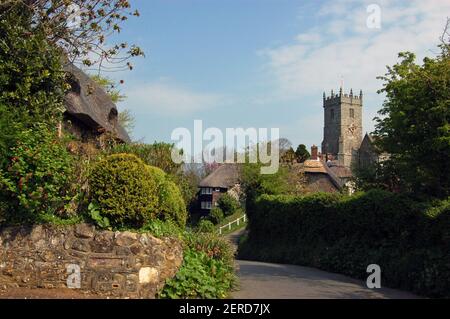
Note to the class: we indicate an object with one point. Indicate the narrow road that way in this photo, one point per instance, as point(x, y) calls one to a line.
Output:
point(274, 281)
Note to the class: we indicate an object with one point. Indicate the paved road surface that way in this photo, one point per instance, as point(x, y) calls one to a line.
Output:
point(274, 281)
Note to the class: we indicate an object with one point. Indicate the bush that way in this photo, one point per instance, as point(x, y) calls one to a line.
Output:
point(408, 239)
point(228, 204)
point(130, 193)
point(160, 228)
point(216, 215)
point(205, 226)
point(171, 204)
point(37, 176)
point(124, 190)
point(207, 270)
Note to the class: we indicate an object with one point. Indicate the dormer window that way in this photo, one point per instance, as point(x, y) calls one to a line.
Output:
point(112, 117)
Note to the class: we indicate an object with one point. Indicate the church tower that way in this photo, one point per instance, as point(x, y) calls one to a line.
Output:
point(342, 135)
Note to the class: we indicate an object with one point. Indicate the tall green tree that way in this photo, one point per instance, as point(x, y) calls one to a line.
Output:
point(414, 122)
point(32, 82)
point(302, 153)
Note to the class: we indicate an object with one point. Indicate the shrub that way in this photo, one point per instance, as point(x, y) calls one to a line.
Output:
point(125, 190)
point(160, 155)
point(207, 270)
point(408, 239)
point(160, 228)
point(216, 215)
point(37, 176)
point(156, 154)
point(130, 193)
point(171, 204)
point(199, 277)
point(205, 226)
point(228, 204)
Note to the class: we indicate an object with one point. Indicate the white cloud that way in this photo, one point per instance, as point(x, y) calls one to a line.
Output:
point(343, 45)
point(168, 99)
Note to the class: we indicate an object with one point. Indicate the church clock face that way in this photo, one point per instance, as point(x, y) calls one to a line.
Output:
point(352, 129)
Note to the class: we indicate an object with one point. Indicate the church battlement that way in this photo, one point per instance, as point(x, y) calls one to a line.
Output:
point(335, 98)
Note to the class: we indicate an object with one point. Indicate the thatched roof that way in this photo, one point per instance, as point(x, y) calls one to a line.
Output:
point(89, 103)
point(314, 166)
point(225, 176)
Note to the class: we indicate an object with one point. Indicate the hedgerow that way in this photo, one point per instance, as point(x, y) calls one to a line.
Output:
point(409, 240)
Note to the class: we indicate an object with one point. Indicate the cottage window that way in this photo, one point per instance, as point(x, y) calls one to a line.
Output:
point(207, 191)
point(206, 205)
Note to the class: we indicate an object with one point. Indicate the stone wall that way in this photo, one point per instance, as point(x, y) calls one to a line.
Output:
point(110, 264)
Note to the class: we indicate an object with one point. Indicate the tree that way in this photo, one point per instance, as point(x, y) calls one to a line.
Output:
point(32, 81)
point(110, 87)
point(81, 28)
point(228, 204)
point(288, 157)
point(302, 153)
point(127, 121)
point(414, 122)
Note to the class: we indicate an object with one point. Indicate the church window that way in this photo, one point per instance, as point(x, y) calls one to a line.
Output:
point(332, 114)
point(352, 113)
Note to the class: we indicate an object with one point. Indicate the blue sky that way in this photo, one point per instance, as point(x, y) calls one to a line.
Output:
point(264, 63)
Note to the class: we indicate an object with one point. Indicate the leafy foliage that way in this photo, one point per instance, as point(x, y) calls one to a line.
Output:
point(216, 215)
point(408, 239)
point(228, 204)
point(301, 153)
point(31, 77)
point(205, 226)
point(171, 203)
point(130, 193)
point(38, 174)
point(207, 270)
point(80, 28)
point(254, 183)
point(156, 154)
point(160, 155)
point(94, 213)
point(163, 228)
point(414, 124)
point(124, 190)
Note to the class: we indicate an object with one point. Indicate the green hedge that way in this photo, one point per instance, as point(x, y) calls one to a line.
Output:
point(125, 190)
point(130, 193)
point(409, 240)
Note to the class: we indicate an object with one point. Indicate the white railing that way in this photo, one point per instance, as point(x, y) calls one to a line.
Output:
point(236, 221)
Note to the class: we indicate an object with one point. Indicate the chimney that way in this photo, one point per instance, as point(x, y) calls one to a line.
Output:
point(314, 153)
